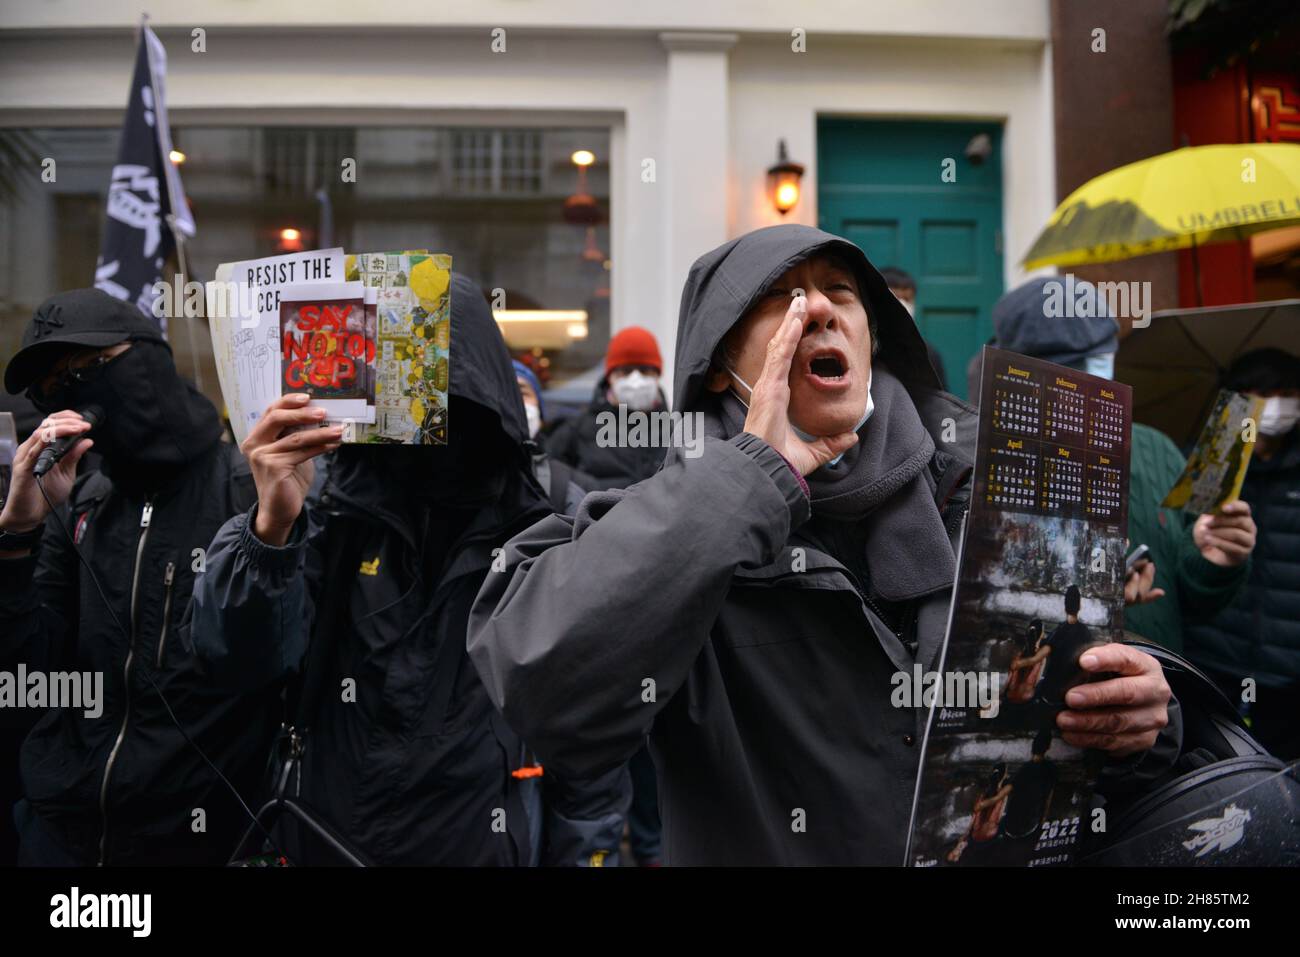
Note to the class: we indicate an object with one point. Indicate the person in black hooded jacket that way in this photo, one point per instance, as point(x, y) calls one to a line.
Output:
point(405, 758)
point(124, 786)
point(747, 606)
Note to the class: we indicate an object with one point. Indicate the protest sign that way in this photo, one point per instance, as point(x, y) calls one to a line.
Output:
point(244, 319)
point(324, 350)
point(368, 336)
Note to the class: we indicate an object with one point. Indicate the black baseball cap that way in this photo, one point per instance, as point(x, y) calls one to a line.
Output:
point(77, 319)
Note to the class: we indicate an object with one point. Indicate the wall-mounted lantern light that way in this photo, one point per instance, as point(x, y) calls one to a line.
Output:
point(783, 181)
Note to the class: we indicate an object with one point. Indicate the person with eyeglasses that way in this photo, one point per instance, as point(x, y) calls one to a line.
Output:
point(123, 785)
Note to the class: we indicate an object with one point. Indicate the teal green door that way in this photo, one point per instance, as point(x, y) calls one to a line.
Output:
point(880, 183)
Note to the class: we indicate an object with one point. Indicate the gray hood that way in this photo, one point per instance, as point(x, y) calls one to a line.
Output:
point(723, 284)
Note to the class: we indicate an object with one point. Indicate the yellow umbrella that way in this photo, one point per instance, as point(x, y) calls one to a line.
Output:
point(1187, 198)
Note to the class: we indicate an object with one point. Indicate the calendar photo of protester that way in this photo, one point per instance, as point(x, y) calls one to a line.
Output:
point(1041, 579)
point(1004, 800)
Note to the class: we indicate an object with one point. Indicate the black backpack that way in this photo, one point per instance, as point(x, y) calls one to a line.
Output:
point(1225, 803)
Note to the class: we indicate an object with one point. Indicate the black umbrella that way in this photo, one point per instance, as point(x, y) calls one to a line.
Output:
point(1176, 364)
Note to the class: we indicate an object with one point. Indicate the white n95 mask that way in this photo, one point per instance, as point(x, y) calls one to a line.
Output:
point(636, 390)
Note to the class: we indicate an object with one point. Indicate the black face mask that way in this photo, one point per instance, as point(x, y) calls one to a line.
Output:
point(152, 418)
point(470, 472)
point(434, 473)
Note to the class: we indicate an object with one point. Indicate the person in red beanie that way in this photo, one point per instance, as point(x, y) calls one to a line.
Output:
point(632, 369)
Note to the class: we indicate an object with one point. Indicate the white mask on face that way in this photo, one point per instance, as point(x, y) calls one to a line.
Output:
point(807, 436)
point(1279, 416)
point(534, 416)
point(636, 390)
point(1102, 366)
point(911, 310)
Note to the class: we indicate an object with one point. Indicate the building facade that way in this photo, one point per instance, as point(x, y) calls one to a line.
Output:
point(463, 118)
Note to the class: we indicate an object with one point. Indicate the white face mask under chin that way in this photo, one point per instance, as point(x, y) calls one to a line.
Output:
point(807, 436)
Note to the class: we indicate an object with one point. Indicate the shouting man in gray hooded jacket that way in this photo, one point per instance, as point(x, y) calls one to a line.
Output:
point(747, 606)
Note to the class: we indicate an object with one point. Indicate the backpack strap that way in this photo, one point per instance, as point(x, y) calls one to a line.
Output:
point(340, 546)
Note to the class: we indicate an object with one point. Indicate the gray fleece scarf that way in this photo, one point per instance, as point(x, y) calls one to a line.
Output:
point(883, 482)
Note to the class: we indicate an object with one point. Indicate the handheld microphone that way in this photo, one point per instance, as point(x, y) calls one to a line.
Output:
point(60, 447)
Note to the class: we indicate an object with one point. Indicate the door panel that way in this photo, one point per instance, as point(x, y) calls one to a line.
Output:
point(880, 185)
point(948, 249)
point(878, 239)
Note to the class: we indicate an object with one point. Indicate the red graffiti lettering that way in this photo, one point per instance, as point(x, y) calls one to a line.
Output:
point(316, 317)
point(293, 347)
point(326, 372)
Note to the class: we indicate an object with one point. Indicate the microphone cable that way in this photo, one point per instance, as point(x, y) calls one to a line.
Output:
point(129, 638)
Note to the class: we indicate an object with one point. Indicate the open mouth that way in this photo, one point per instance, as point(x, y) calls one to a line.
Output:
point(827, 366)
point(827, 369)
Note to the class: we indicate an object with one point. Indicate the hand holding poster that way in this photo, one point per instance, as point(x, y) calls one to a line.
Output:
point(1040, 580)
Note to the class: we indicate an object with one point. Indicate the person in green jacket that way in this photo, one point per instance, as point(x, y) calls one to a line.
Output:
point(1194, 568)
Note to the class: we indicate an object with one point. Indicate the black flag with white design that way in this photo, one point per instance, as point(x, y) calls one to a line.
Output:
point(145, 190)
